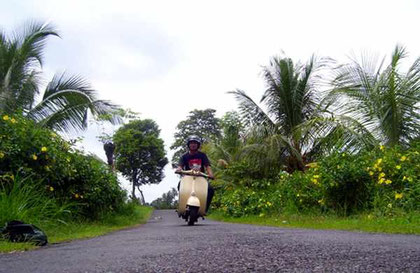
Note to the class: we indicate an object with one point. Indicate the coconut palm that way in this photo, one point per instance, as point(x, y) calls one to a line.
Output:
point(66, 101)
point(382, 99)
point(291, 99)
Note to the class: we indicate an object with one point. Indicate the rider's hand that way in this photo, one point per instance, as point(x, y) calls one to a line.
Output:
point(178, 170)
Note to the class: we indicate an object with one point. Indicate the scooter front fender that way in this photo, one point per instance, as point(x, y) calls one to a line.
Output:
point(193, 201)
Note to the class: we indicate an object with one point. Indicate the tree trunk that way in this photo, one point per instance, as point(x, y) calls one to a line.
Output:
point(133, 194)
point(143, 202)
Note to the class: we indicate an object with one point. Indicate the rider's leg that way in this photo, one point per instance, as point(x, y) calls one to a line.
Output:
point(210, 193)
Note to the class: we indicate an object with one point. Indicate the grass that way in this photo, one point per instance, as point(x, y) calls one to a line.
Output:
point(404, 224)
point(83, 230)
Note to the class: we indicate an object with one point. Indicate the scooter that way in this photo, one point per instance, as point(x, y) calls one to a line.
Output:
point(192, 195)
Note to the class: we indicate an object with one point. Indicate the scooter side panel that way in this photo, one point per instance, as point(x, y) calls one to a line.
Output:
point(185, 189)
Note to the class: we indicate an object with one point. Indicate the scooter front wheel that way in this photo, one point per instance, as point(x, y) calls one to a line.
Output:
point(193, 215)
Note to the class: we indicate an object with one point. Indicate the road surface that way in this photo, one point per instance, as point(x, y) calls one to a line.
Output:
point(167, 244)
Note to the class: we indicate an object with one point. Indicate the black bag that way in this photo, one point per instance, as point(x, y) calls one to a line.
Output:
point(17, 231)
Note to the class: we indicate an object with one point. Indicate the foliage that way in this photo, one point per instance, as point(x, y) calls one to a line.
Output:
point(66, 101)
point(384, 181)
point(25, 199)
point(66, 174)
point(383, 100)
point(140, 153)
point(202, 123)
point(228, 147)
point(168, 200)
point(291, 100)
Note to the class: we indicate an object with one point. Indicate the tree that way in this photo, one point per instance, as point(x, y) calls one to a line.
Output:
point(140, 153)
point(229, 145)
point(275, 136)
point(66, 101)
point(384, 101)
point(167, 201)
point(202, 123)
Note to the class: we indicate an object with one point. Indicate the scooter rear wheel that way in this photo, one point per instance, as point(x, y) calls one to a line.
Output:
point(193, 215)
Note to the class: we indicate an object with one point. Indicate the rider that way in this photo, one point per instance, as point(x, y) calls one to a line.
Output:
point(196, 160)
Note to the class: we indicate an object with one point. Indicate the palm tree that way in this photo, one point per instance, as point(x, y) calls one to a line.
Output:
point(383, 100)
point(275, 135)
point(66, 101)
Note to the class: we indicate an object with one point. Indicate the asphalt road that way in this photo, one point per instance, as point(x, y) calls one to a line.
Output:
point(167, 244)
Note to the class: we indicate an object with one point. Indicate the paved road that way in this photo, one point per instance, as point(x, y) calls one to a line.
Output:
point(167, 244)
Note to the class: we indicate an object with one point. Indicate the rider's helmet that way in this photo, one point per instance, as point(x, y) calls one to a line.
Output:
point(194, 138)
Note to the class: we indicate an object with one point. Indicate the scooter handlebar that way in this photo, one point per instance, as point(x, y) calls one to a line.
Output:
point(194, 173)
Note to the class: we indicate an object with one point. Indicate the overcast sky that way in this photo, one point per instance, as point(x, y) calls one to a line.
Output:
point(166, 58)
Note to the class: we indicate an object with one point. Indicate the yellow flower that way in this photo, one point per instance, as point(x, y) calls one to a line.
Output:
point(13, 120)
point(381, 181)
point(380, 169)
point(316, 176)
point(404, 178)
point(410, 179)
point(398, 195)
point(53, 135)
point(382, 147)
point(381, 175)
point(390, 205)
point(370, 216)
point(312, 165)
point(6, 117)
point(76, 196)
point(370, 173)
point(315, 181)
point(34, 157)
point(403, 158)
point(1, 155)
point(379, 161)
point(388, 182)
point(298, 195)
point(322, 201)
point(398, 167)
point(51, 189)
point(44, 149)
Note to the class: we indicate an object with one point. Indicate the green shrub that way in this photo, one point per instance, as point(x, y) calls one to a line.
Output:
point(66, 174)
point(385, 180)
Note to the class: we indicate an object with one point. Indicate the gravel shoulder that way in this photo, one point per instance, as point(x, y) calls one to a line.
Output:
point(167, 244)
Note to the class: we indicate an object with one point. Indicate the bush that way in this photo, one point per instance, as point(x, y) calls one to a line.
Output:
point(66, 174)
point(385, 180)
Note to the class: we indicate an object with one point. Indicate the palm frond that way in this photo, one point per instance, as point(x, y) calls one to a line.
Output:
point(251, 113)
point(32, 41)
point(67, 102)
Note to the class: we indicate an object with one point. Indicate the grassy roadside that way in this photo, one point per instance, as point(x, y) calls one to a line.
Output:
point(408, 224)
point(83, 230)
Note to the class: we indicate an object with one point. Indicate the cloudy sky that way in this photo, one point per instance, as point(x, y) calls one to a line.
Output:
point(166, 58)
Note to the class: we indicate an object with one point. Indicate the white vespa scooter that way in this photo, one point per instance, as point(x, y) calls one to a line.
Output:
point(192, 195)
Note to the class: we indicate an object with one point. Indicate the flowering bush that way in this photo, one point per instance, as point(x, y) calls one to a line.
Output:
point(384, 180)
point(66, 174)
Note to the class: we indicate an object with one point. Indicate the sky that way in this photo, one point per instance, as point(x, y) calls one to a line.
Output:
point(164, 59)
